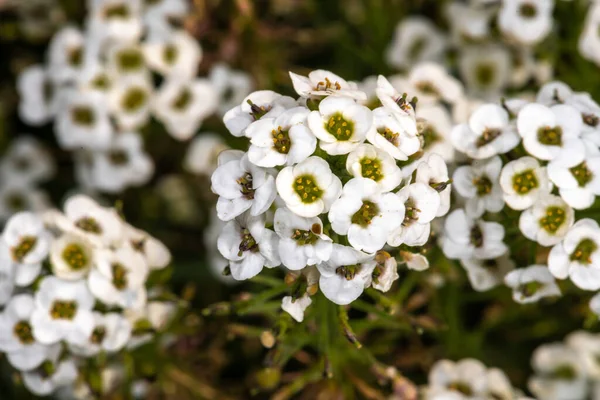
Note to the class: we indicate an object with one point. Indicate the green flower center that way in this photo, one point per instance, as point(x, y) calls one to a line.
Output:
point(417, 46)
point(134, 99)
point(23, 332)
point(75, 56)
point(83, 115)
point(476, 236)
point(15, 201)
point(75, 256)
point(490, 264)
point(25, 246)
point(119, 276)
point(118, 157)
point(488, 136)
point(389, 135)
point(554, 219)
point(101, 82)
point(281, 140)
point(116, 11)
point(461, 387)
point(484, 74)
point(411, 213)
point(528, 10)
point(306, 187)
point(246, 187)
point(582, 174)
point(550, 136)
point(427, 87)
point(564, 372)
point(48, 90)
point(98, 335)
point(89, 225)
point(47, 369)
point(130, 60)
point(429, 136)
point(583, 252)
point(525, 182)
point(183, 99)
point(365, 214)
point(248, 243)
point(303, 238)
point(339, 127)
point(483, 185)
point(63, 310)
point(530, 288)
point(170, 54)
point(348, 271)
point(371, 168)
point(590, 119)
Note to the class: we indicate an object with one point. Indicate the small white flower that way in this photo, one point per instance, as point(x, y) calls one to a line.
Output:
point(340, 123)
point(38, 96)
point(394, 133)
point(464, 379)
point(156, 254)
point(590, 114)
point(182, 105)
point(61, 307)
point(434, 126)
point(415, 39)
point(485, 70)
point(552, 93)
point(523, 182)
point(26, 238)
point(487, 274)
point(202, 153)
point(18, 195)
point(301, 240)
point(366, 215)
point(179, 55)
point(397, 103)
point(551, 132)
point(242, 186)
point(421, 203)
point(263, 103)
point(414, 261)
point(434, 172)
point(116, 20)
point(531, 284)
point(578, 255)
point(232, 86)
point(249, 246)
point(589, 41)
point(66, 55)
point(479, 184)
point(296, 308)
point(119, 278)
point(469, 22)
point(309, 188)
point(346, 274)
point(27, 160)
point(587, 346)
point(130, 101)
point(125, 59)
point(71, 257)
point(367, 161)
point(526, 21)
point(285, 140)
point(465, 237)
point(385, 272)
point(111, 333)
point(54, 373)
point(159, 14)
point(431, 83)
point(488, 133)
point(320, 83)
point(547, 221)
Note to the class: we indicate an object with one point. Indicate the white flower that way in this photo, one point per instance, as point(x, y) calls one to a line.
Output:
point(301, 240)
point(434, 172)
point(552, 93)
point(414, 261)
point(83, 121)
point(182, 105)
point(523, 182)
point(346, 274)
point(66, 55)
point(488, 133)
point(397, 103)
point(130, 101)
point(551, 132)
point(115, 20)
point(27, 238)
point(431, 83)
point(434, 126)
point(587, 345)
point(159, 14)
point(242, 186)
point(385, 272)
point(123, 164)
point(465, 237)
point(285, 140)
point(321, 83)
point(249, 246)
point(119, 278)
point(125, 59)
point(415, 39)
point(16, 334)
point(27, 160)
point(111, 333)
point(589, 42)
point(485, 70)
point(71, 257)
point(340, 123)
point(296, 307)
point(526, 21)
point(547, 221)
point(450, 380)
point(202, 153)
point(590, 113)
point(54, 373)
point(38, 96)
point(479, 184)
point(18, 195)
point(308, 188)
point(7, 274)
point(156, 254)
point(559, 373)
point(394, 133)
point(263, 103)
point(578, 255)
point(468, 21)
point(179, 55)
point(232, 86)
point(366, 215)
point(367, 161)
point(421, 203)
point(61, 307)
point(531, 284)
point(487, 274)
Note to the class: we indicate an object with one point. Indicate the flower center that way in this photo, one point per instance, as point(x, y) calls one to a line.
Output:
point(555, 217)
point(306, 187)
point(75, 56)
point(429, 136)
point(118, 157)
point(63, 309)
point(461, 387)
point(417, 46)
point(22, 330)
point(476, 236)
point(483, 185)
point(257, 112)
point(303, 238)
point(427, 87)
point(246, 187)
point(83, 115)
point(89, 224)
point(281, 140)
point(248, 243)
point(583, 252)
point(564, 372)
point(582, 174)
point(389, 135)
point(23, 248)
point(550, 136)
point(590, 119)
point(487, 136)
point(339, 127)
point(490, 264)
point(365, 214)
point(15, 201)
point(371, 168)
point(134, 99)
point(327, 85)
point(484, 74)
point(411, 213)
point(98, 335)
point(525, 182)
point(75, 256)
point(119, 274)
point(130, 60)
point(348, 271)
point(530, 288)
point(528, 10)
point(47, 369)
point(183, 99)
point(170, 54)
point(116, 11)
point(100, 82)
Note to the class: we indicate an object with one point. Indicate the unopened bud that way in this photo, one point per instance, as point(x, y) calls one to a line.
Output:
point(268, 378)
point(267, 339)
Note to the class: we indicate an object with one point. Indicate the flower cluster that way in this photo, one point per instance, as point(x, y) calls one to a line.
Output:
point(74, 285)
point(326, 187)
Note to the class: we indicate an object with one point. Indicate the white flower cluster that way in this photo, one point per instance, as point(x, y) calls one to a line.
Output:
point(321, 186)
point(98, 86)
point(74, 285)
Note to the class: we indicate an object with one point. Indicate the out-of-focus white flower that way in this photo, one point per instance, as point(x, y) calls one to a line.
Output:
point(431, 83)
point(38, 95)
point(232, 86)
point(479, 184)
point(526, 21)
point(435, 127)
point(110, 334)
point(130, 101)
point(532, 283)
point(587, 346)
point(461, 380)
point(485, 70)
point(27, 160)
point(54, 373)
point(547, 221)
point(465, 237)
point(468, 21)
point(66, 55)
point(178, 56)
point(589, 41)
point(202, 153)
point(433, 171)
point(125, 59)
point(321, 83)
point(416, 39)
point(523, 182)
point(156, 254)
point(115, 20)
point(487, 274)
point(394, 133)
